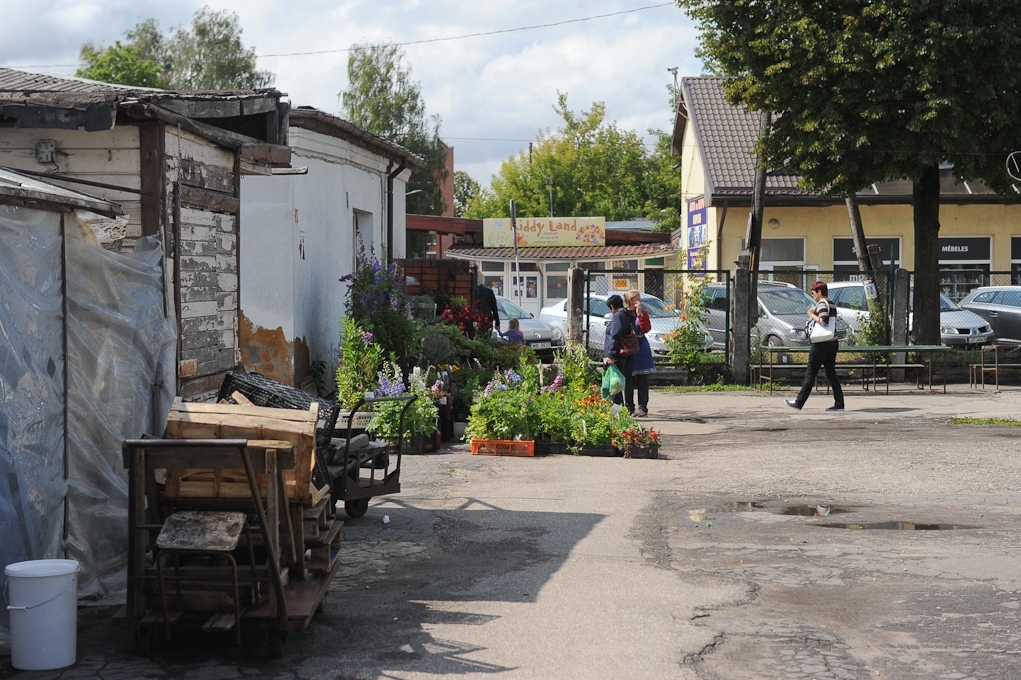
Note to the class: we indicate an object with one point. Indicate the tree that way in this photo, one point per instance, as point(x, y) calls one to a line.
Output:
point(465, 191)
point(208, 56)
point(383, 99)
point(122, 64)
point(870, 90)
point(594, 168)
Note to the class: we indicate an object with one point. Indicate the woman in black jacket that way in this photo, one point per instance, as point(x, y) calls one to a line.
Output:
point(621, 325)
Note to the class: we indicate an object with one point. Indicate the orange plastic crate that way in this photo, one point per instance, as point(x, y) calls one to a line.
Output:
point(499, 447)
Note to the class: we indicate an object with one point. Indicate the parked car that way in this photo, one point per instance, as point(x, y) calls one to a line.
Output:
point(539, 335)
point(1001, 307)
point(957, 326)
point(663, 321)
point(782, 315)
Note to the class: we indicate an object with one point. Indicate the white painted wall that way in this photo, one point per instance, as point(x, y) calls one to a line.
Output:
point(298, 237)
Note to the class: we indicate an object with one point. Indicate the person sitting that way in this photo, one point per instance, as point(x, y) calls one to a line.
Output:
point(513, 335)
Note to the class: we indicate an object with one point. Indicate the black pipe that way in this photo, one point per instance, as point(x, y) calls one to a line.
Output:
point(390, 208)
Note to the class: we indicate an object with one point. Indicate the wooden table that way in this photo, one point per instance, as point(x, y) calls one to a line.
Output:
point(977, 372)
point(878, 354)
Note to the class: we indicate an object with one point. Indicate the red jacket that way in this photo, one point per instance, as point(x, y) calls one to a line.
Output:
point(644, 322)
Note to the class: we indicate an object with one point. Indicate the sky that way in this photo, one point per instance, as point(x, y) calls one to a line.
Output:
point(492, 87)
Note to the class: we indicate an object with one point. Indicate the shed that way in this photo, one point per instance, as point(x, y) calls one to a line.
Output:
point(303, 234)
point(86, 360)
point(174, 161)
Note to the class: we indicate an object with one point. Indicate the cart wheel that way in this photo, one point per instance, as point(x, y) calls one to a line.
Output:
point(275, 640)
point(356, 509)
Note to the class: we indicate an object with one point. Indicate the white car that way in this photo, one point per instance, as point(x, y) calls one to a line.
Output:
point(663, 321)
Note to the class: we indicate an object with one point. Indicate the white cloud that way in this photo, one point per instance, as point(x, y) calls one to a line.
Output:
point(496, 86)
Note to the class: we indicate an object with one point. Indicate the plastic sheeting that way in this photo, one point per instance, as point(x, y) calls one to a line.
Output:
point(31, 390)
point(120, 383)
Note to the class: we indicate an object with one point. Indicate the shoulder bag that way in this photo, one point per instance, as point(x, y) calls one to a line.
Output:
point(821, 333)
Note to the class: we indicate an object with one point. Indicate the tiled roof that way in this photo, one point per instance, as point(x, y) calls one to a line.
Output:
point(557, 252)
point(12, 80)
point(726, 135)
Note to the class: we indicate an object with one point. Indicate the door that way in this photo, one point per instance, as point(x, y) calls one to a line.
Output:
point(526, 285)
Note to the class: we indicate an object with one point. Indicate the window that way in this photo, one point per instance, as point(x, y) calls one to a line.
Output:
point(597, 308)
point(1010, 298)
point(719, 299)
point(985, 297)
point(492, 266)
point(851, 297)
point(527, 267)
point(783, 250)
point(509, 310)
point(557, 266)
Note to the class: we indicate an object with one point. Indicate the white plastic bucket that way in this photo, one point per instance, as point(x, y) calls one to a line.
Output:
point(42, 598)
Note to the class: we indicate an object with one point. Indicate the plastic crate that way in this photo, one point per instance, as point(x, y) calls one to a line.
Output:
point(499, 447)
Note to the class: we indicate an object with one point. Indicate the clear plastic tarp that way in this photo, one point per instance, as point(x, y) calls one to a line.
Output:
point(120, 383)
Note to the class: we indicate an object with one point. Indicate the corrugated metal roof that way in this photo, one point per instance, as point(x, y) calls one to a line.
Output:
point(307, 117)
point(557, 252)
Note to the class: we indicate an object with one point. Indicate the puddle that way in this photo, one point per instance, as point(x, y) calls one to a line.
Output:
point(706, 514)
point(896, 526)
point(813, 510)
point(700, 421)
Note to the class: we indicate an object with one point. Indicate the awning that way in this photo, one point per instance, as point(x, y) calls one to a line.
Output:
point(560, 252)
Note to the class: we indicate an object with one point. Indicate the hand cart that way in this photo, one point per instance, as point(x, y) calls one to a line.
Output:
point(354, 478)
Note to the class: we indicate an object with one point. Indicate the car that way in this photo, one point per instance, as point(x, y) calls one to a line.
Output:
point(544, 338)
point(663, 321)
point(957, 326)
point(1000, 306)
point(782, 315)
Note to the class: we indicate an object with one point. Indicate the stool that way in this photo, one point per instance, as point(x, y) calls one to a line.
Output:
point(215, 534)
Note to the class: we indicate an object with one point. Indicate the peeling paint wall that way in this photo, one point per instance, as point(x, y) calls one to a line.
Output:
point(269, 352)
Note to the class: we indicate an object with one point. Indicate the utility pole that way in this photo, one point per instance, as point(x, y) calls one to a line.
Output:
point(755, 224)
point(517, 279)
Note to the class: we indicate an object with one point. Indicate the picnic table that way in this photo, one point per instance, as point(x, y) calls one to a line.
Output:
point(876, 358)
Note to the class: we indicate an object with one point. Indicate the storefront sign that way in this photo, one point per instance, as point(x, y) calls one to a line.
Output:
point(697, 228)
point(964, 249)
point(844, 252)
point(544, 231)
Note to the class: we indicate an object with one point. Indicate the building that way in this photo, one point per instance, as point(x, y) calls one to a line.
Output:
point(174, 161)
point(303, 233)
point(980, 230)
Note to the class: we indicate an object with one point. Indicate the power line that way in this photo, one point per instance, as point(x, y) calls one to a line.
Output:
point(476, 35)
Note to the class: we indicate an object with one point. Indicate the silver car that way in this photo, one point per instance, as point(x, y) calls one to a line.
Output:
point(1000, 307)
point(782, 315)
point(539, 335)
point(957, 326)
point(663, 321)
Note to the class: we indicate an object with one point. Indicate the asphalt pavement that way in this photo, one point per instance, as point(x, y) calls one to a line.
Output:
point(766, 543)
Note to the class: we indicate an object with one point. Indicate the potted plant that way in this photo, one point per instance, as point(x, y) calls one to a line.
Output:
point(420, 419)
point(637, 442)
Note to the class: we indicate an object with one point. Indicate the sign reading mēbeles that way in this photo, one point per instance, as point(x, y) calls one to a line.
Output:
point(544, 231)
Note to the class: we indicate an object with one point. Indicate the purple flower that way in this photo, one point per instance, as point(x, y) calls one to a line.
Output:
point(367, 337)
point(557, 383)
point(437, 386)
point(512, 377)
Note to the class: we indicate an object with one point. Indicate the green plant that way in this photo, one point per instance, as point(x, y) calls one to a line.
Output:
point(578, 371)
point(873, 330)
point(503, 410)
point(686, 343)
point(420, 416)
point(376, 300)
point(635, 437)
point(357, 364)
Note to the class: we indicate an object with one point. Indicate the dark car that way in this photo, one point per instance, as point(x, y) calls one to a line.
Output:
point(1001, 307)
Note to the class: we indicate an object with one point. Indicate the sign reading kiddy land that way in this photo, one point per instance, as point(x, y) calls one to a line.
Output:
point(544, 231)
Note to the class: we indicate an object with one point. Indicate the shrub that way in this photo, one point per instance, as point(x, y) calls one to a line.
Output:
point(377, 301)
point(356, 367)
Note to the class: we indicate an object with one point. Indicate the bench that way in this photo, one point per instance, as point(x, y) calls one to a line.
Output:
point(879, 355)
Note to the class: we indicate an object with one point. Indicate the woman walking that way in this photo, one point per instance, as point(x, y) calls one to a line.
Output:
point(643, 364)
point(614, 351)
point(822, 353)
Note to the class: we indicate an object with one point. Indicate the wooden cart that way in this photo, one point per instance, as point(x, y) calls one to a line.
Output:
point(272, 566)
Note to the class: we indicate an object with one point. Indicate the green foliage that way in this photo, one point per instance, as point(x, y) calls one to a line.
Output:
point(873, 330)
point(207, 56)
point(574, 364)
point(596, 168)
point(356, 367)
point(465, 191)
point(686, 343)
point(376, 300)
point(420, 416)
point(996, 422)
point(122, 64)
point(383, 99)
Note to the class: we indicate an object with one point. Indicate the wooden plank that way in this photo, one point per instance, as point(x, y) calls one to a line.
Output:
point(309, 416)
point(207, 176)
point(261, 105)
point(219, 623)
point(201, 108)
point(120, 137)
point(152, 180)
point(205, 199)
point(213, 455)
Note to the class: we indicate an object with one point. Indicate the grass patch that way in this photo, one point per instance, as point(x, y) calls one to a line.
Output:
point(716, 387)
point(998, 422)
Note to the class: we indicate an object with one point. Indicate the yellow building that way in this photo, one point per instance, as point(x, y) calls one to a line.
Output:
point(980, 231)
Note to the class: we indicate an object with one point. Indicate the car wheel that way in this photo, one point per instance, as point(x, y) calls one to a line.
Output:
point(773, 341)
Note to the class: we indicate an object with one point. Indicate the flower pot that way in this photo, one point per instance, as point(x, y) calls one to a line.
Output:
point(607, 451)
point(649, 451)
point(550, 448)
point(499, 447)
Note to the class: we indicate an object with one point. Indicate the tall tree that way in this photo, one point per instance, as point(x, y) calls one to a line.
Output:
point(869, 90)
point(209, 55)
point(383, 99)
point(465, 191)
point(122, 64)
point(593, 168)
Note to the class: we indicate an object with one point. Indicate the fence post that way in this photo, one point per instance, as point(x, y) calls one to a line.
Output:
point(575, 303)
point(742, 327)
point(901, 292)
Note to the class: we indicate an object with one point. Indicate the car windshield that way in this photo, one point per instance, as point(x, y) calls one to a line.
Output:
point(509, 310)
point(945, 305)
point(786, 301)
point(657, 308)
point(597, 307)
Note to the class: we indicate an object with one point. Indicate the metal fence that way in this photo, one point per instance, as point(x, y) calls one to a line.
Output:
point(956, 284)
point(669, 286)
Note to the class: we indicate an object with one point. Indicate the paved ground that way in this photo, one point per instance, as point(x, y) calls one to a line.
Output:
point(709, 564)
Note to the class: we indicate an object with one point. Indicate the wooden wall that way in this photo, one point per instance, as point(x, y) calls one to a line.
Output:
point(203, 186)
